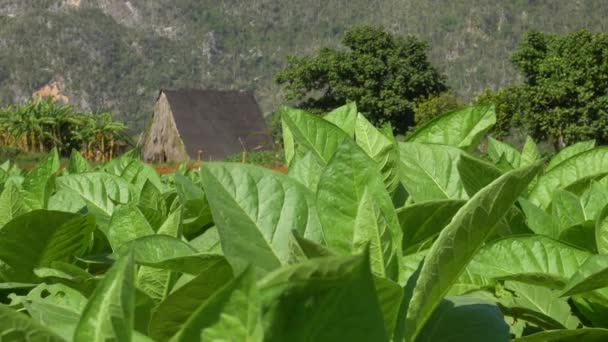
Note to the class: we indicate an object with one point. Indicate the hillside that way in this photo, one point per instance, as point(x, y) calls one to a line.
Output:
point(116, 54)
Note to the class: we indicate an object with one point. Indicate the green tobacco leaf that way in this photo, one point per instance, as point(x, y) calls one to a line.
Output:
point(312, 133)
point(232, 313)
point(389, 293)
point(40, 237)
point(461, 128)
point(174, 311)
point(592, 275)
point(538, 305)
point(152, 205)
point(532, 259)
point(357, 209)
point(66, 200)
point(101, 192)
point(77, 163)
point(567, 335)
point(425, 220)
point(429, 172)
point(138, 173)
point(465, 319)
point(306, 170)
point(167, 253)
point(196, 214)
point(109, 313)
point(476, 173)
point(157, 283)
point(381, 148)
point(539, 221)
point(529, 153)
point(38, 185)
point(569, 152)
point(344, 117)
point(303, 249)
point(15, 326)
point(340, 302)
point(567, 209)
point(459, 242)
point(580, 166)
point(208, 242)
point(253, 230)
point(594, 200)
point(12, 204)
point(601, 231)
point(498, 150)
point(55, 306)
point(581, 235)
point(127, 224)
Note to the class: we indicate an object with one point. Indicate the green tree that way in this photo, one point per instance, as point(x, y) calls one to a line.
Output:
point(564, 96)
point(383, 73)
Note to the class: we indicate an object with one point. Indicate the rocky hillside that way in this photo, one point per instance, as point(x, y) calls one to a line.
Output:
point(116, 54)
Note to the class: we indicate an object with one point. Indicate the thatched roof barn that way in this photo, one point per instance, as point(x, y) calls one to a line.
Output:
point(215, 124)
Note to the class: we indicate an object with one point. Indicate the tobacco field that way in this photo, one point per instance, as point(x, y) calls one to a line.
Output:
point(363, 239)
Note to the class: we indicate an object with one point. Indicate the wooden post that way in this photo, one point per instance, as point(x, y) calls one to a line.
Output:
point(200, 155)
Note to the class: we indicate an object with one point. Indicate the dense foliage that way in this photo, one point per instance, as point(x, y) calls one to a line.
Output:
point(41, 125)
point(383, 73)
point(364, 239)
point(564, 96)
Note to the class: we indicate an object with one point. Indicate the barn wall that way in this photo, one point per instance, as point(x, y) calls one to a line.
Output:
point(162, 141)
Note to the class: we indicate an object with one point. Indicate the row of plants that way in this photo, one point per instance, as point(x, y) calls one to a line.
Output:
point(364, 239)
point(38, 126)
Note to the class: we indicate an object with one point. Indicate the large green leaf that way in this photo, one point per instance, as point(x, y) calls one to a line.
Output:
point(152, 205)
point(592, 275)
point(460, 240)
point(429, 172)
point(567, 335)
point(77, 163)
point(167, 253)
point(357, 209)
point(197, 214)
point(498, 150)
point(15, 326)
point(55, 306)
point(307, 170)
point(127, 224)
point(312, 133)
point(568, 172)
point(532, 259)
point(255, 210)
point(381, 148)
point(323, 299)
point(601, 231)
point(538, 305)
point(461, 128)
point(38, 185)
point(101, 192)
point(109, 313)
point(539, 221)
point(175, 310)
point(232, 313)
point(529, 153)
point(11, 203)
point(344, 117)
point(475, 173)
point(40, 237)
point(425, 220)
point(569, 152)
point(465, 319)
point(157, 283)
point(594, 200)
point(567, 209)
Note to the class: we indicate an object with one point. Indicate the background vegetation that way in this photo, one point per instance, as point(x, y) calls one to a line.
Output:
point(114, 57)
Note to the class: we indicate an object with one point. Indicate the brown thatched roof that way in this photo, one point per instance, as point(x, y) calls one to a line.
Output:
point(214, 121)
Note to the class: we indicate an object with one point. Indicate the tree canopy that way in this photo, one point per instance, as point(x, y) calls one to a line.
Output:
point(564, 96)
point(384, 74)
